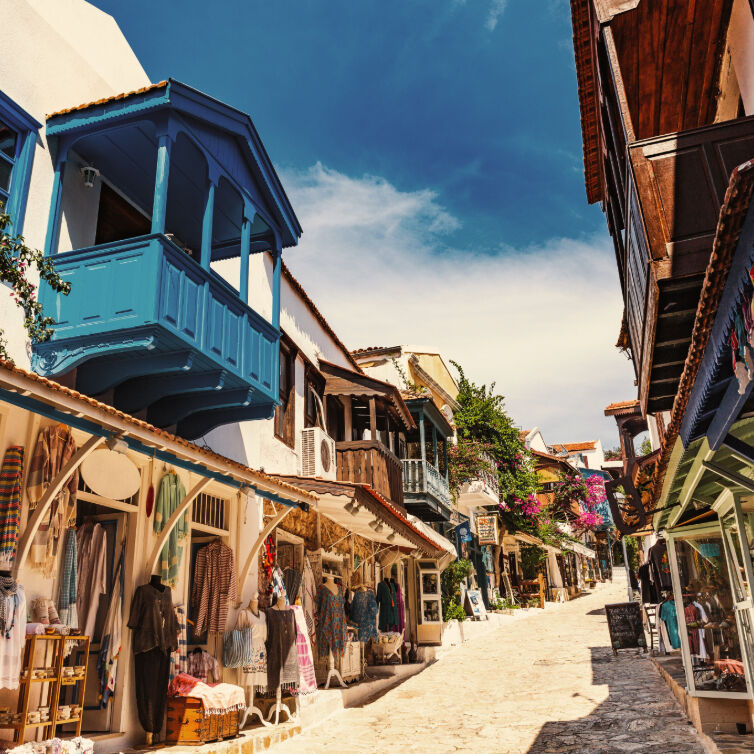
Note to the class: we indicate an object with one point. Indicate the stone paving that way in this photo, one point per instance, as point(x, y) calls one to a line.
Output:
point(546, 682)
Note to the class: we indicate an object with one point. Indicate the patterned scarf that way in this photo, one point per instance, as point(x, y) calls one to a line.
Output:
point(10, 502)
point(8, 589)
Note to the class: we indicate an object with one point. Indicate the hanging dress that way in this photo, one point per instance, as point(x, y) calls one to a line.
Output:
point(282, 653)
point(331, 623)
point(364, 614)
point(307, 681)
point(254, 676)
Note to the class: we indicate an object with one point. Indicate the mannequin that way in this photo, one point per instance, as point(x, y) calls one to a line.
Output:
point(156, 582)
point(280, 603)
point(330, 584)
point(254, 603)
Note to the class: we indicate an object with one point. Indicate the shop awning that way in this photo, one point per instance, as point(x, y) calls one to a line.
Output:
point(368, 509)
point(579, 549)
point(528, 539)
point(450, 553)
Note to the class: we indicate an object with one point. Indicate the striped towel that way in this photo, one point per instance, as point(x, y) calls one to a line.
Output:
point(179, 658)
point(10, 503)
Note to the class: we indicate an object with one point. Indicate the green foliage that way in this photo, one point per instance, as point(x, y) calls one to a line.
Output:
point(466, 461)
point(632, 550)
point(451, 579)
point(16, 260)
point(570, 493)
point(413, 388)
point(532, 560)
point(481, 417)
point(614, 454)
point(646, 447)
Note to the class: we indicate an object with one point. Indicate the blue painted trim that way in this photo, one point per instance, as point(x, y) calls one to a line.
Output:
point(243, 287)
point(53, 220)
point(162, 176)
point(276, 274)
point(209, 211)
point(29, 403)
point(27, 129)
point(718, 347)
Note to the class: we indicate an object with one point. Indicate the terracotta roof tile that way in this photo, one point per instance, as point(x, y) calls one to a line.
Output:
point(125, 95)
point(731, 219)
point(622, 404)
point(575, 447)
point(9, 367)
point(373, 349)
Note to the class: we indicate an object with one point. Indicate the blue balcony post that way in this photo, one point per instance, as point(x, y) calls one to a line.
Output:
point(160, 203)
point(209, 211)
point(243, 288)
point(277, 259)
point(53, 221)
point(445, 457)
point(434, 447)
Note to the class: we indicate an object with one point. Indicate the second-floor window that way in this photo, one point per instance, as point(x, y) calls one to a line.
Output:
point(8, 153)
point(285, 422)
point(315, 383)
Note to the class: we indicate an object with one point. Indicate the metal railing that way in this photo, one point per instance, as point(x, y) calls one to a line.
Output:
point(421, 477)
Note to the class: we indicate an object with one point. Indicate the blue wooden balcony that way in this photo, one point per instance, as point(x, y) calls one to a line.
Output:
point(154, 187)
point(143, 318)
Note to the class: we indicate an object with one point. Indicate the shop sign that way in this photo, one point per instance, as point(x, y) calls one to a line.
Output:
point(463, 532)
point(625, 625)
point(486, 528)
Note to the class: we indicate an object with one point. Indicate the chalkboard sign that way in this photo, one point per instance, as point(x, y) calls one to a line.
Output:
point(625, 625)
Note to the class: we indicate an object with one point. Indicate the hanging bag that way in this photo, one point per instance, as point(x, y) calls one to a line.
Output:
point(237, 648)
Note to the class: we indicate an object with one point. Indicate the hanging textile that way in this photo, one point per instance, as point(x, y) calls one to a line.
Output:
point(386, 599)
point(331, 622)
point(68, 577)
point(110, 646)
point(202, 665)
point(91, 541)
point(401, 607)
point(364, 614)
point(12, 631)
point(307, 682)
point(255, 673)
point(179, 657)
point(11, 474)
point(282, 653)
point(292, 579)
point(55, 447)
point(277, 586)
point(214, 586)
point(170, 496)
point(309, 596)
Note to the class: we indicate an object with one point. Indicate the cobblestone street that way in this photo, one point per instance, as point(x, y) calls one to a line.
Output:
point(546, 682)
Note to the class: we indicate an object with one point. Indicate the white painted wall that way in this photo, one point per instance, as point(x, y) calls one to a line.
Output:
point(57, 54)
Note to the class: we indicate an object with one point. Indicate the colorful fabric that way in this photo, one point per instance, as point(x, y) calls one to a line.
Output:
point(68, 579)
point(214, 586)
point(91, 543)
point(11, 474)
point(255, 674)
point(179, 657)
point(278, 585)
point(170, 496)
point(331, 622)
point(307, 682)
point(386, 599)
point(364, 614)
point(670, 619)
point(309, 596)
point(216, 700)
point(109, 653)
point(292, 580)
point(282, 652)
point(55, 447)
point(204, 666)
point(11, 649)
point(401, 608)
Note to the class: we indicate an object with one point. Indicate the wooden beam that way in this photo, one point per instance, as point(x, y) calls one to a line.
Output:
point(731, 476)
point(43, 506)
point(348, 416)
point(730, 407)
point(373, 416)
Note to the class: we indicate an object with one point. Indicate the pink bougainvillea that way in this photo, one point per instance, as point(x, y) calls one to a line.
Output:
point(587, 520)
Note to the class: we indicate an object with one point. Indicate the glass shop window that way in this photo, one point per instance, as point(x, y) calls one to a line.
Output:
point(711, 621)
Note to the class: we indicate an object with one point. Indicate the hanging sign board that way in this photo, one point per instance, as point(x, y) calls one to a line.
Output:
point(625, 625)
point(463, 531)
point(486, 529)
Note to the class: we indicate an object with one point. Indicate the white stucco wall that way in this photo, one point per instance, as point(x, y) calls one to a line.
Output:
point(56, 55)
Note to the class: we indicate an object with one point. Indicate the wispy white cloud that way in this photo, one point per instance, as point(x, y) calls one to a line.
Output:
point(540, 321)
point(497, 8)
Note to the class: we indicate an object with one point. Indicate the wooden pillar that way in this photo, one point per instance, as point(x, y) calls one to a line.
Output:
point(318, 537)
point(53, 221)
point(277, 259)
point(209, 211)
point(373, 416)
point(422, 439)
point(348, 417)
point(162, 174)
point(243, 287)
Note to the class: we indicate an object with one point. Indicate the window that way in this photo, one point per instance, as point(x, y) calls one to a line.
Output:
point(314, 383)
point(18, 133)
point(284, 413)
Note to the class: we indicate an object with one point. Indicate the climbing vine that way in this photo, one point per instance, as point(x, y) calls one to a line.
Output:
point(16, 262)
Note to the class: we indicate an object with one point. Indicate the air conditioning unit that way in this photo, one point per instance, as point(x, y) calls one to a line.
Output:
point(317, 454)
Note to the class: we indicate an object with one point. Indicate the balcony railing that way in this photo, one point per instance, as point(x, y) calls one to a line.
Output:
point(370, 462)
point(422, 478)
point(146, 320)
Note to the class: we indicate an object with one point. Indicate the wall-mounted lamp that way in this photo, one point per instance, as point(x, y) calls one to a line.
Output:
point(391, 537)
point(89, 173)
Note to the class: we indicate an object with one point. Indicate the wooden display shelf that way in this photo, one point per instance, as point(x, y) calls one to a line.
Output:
point(52, 685)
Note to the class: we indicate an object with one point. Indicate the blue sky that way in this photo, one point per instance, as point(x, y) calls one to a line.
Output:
point(438, 143)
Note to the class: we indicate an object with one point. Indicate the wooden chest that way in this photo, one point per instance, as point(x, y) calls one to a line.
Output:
point(188, 724)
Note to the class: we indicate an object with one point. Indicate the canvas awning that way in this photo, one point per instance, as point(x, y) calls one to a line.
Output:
point(579, 549)
point(366, 508)
point(450, 553)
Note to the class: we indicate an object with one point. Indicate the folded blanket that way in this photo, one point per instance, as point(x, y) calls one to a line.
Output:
point(35, 628)
point(216, 700)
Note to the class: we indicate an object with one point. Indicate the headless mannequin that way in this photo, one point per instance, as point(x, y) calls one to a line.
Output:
point(156, 582)
point(254, 604)
point(280, 603)
point(330, 584)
